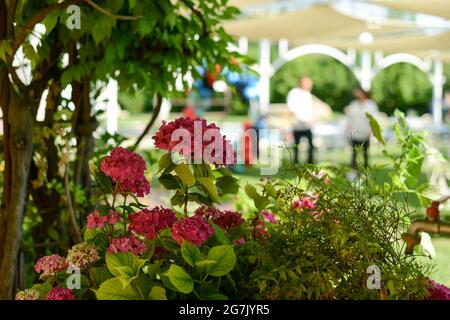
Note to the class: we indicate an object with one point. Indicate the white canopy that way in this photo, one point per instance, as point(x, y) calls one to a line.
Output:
point(434, 7)
point(312, 22)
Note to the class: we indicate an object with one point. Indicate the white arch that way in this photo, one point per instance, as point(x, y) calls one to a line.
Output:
point(392, 59)
point(300, 51)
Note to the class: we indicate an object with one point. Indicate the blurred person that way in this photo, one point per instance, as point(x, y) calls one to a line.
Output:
point(358, 126)
point(300, 103)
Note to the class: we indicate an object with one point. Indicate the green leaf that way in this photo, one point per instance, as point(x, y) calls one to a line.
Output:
point(112, 289)
point(146, 26)
point(225, 257)
point(375, 128)
point(217, 296)
point(185, 174)
point(205, 263)
point(210, 188)
point(169, 181)
point(99, 275)
point(227, 185)
point(181, 280)
point(123, 263)
point(251, 191)
point(157, 293)
point(50, 20)
point(165, 161)
point(191, 253)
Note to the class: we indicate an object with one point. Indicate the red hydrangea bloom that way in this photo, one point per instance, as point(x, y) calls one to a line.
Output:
point(94, 220)
point(239, 241)
point(437, 291)
point(60, 294)
point(148, 221)
point(193, 229)
point(127, 168)
point(48, 266)
point(201, 136)
point(224, 219)
point(127, 244)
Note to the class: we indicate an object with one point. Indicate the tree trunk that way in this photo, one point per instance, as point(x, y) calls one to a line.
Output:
point(17, 148)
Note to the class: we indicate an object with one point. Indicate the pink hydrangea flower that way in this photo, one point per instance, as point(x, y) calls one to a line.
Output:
point(83, 255)
point(202, 133)
point(269, 217)
point(127, 168)
point(437, 291)
point(48, 266)
point(27, 294)
point(149, 221)
point(94, 220)
point(224, 219)
point(193, 229)
point(60, 294)
point(127, 244)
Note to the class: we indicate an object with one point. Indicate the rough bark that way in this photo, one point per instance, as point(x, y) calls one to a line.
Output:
point(17, 148)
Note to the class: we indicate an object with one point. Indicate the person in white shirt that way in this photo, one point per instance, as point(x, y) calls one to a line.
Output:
point(358, 126)
point(300, 103)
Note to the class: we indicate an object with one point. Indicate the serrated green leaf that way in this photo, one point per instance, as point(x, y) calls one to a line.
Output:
point(210, 188)
point(157, 293)
point(112, 289)
point(225, 257)
point(191, 253)
point(180, 279)
point(185, 174)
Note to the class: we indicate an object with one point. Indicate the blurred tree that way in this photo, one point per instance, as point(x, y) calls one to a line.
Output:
point(402, 86)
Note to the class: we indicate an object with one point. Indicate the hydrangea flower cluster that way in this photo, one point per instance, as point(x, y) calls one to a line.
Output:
point(224, 219)
point(193, 229)
point(27, 294)
point(94, 220)
point(149, 221)
point(128, 169)
point(127, 244)
point(48, 266)
point(60, 294)
point(201, 135)
point(437, 291)
point(82, 255)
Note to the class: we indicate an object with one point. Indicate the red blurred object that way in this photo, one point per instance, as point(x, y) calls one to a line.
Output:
point(247, 145)
point(188, 112)
point(432, 212)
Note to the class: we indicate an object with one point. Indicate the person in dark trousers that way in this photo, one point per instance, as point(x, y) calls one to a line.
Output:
point(358, 126)
point(300, 103)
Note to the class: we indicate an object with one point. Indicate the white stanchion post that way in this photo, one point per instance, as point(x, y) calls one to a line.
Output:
point(112, 106)
point(366, 70)
point(438, 82)
point(283, 46)
point(264, 69)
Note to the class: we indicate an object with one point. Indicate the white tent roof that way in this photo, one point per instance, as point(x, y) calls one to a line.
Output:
point(433, 7)
point(317, 21)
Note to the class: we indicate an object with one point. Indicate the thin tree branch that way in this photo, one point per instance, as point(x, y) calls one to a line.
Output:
point(109, 13)
point(70, 209)
point(38, 17)
point(155, 115)
point(199, 15)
